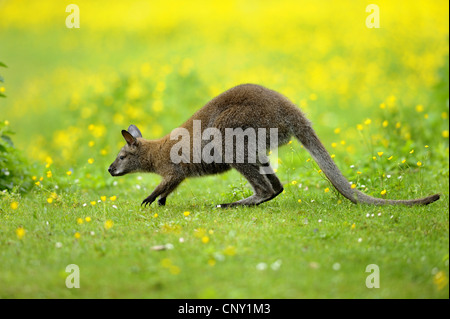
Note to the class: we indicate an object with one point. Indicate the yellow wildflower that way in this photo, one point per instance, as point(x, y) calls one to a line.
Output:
point(380, 153)
point(20, 232)
point(157, 106)
point(391, 100)
point(49, 200)
point(205, 239)
point(174, 270)
point(113, 198)
point(91, 160)
point(80, 221)
point(440, 280)
point(327, 190)
point(103, 198)
point(419, 163)
point(419, 108)
point(383, 192)
point(109, 224)
point(186, 214)
point(14, 205)
point(166, 262)
point(88, 219)
point(69, 173)
point(77, 235)
point(230, 251)
point(211, 262)
point(48, 161)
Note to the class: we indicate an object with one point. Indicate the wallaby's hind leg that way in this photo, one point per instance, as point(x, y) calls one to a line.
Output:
point(273, 179)
point(265, 186)
point(276, 185)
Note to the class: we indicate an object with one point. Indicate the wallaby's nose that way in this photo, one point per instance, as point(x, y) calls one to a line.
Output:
point(110, 170)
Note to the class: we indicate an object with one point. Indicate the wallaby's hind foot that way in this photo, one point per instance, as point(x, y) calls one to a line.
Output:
point(275, 195)
point(253, 200)
point(249, 201)
point(265, 186)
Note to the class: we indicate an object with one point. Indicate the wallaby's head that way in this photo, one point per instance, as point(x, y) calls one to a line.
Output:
point(128, 160)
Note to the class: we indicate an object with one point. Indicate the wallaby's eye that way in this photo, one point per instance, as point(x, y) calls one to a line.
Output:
point(121, 157)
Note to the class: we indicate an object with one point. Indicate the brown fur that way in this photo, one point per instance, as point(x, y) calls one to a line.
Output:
point(243, 106)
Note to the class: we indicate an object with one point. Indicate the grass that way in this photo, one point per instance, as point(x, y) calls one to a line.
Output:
point(378, 99)
point(318, 248)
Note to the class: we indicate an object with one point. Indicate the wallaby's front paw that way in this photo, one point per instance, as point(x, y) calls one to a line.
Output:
point(148, 201)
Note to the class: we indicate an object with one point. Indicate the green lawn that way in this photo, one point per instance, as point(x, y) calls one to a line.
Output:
point(378, 99)
point(318, 248)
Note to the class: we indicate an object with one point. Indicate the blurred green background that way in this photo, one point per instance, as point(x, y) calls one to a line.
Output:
point(153, 63)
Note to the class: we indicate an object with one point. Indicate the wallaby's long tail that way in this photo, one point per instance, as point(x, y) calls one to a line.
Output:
point(311, 142)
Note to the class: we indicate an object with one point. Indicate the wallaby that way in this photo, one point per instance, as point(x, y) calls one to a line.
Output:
point(248, 107)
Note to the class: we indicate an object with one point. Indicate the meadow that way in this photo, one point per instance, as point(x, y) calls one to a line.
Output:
point(378, 98)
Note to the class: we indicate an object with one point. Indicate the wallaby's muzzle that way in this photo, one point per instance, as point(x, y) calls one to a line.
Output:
point(112, 170)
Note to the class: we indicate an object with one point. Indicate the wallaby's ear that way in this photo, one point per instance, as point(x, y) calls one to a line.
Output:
point(131, 140)
point(133, 130)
